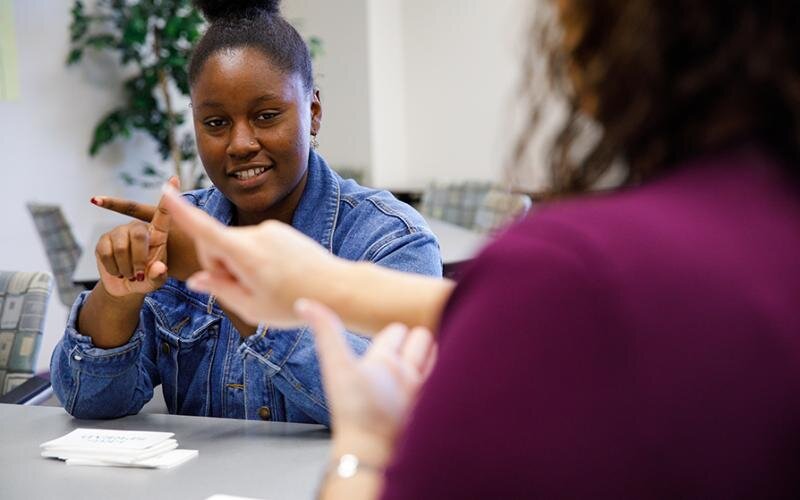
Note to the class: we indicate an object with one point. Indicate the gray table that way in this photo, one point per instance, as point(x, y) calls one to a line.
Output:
point(457, 245)
point(269, 460)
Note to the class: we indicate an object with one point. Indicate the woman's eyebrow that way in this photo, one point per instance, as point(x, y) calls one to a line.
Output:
point(265, 97)
point(210, 104)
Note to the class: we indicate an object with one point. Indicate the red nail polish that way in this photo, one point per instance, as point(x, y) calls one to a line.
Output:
point(95, 201)
point(140, 276)
point(120, 276)
point(132, 279)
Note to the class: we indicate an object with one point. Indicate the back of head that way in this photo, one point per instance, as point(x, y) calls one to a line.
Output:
point(251, 23)
point(670, 80)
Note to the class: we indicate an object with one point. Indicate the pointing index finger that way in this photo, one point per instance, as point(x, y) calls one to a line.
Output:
point(122, 206)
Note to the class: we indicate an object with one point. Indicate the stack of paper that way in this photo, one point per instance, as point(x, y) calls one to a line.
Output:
point(112, 448)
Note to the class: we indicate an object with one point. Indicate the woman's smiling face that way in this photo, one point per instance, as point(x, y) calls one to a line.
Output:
point(253, 124)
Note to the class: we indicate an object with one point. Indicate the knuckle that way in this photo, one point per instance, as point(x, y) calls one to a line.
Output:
point(139, 236)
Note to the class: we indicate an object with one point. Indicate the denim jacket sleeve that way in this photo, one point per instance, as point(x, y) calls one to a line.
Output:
point(103, 383)
point(298, 376)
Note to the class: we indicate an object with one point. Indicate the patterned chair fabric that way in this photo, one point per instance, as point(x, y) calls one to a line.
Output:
point(23, 303)
point(60, 246)
point(454, 203)
point(499, 208)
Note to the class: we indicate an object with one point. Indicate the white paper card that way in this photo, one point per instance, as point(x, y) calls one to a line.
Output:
point(107, 439)
point(164, 461)
point(120, 456)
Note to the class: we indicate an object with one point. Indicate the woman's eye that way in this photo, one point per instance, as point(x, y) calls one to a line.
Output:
point(214, 123)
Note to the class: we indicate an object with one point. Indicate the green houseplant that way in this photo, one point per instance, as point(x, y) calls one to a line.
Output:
point(154, 40)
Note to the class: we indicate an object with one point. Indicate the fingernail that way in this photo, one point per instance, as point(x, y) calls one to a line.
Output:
point(120, 276)
point(140, 276)
point(96, 201)
point(300, 305)
point(132, 279)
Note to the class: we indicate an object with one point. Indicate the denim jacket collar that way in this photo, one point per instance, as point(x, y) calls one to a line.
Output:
point(317, 212)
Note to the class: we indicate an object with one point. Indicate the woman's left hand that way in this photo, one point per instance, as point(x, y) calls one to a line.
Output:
point(370, 397)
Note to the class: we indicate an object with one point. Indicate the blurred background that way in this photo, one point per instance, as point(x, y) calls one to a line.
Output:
point(414, 92)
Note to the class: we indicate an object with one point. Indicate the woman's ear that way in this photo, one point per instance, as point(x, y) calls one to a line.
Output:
point(316, 112)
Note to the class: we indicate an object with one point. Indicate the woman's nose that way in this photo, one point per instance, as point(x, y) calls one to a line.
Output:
point(243, 142)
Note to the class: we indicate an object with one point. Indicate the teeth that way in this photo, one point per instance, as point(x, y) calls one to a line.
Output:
point(247, 174)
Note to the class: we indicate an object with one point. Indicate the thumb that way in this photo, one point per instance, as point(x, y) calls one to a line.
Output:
point(157, 273)
point(161, 218)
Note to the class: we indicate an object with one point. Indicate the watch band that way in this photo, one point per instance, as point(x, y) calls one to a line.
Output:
point(348, 465)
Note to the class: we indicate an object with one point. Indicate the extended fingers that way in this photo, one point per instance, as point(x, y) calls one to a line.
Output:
point(418, 349)
point(191, 219)
point(125, 207)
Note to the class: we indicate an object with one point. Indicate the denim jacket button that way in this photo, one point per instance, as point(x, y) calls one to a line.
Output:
point(165, 347)
point(264, 413)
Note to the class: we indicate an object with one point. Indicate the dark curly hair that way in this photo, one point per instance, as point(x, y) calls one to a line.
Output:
point(665, 81)
point(252, 23)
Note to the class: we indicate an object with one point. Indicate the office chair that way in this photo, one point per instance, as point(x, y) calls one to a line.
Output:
point(499, 208)
point(455, 203)
point(23, 304)
point(60, 246)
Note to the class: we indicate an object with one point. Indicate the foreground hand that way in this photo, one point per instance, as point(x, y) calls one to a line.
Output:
point(132, 259)
point(179, 245)
point(258, 272)
point(370, 397)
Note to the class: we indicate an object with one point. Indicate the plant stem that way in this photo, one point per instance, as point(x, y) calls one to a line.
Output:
point(163, 84)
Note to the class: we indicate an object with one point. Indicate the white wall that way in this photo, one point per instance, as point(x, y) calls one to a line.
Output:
point(387, 79)
point(461, 60)
point(341, 75)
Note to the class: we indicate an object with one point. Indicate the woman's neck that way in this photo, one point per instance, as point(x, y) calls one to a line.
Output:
point(282, 211)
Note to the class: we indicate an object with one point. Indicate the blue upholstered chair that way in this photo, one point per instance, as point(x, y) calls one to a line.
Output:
point(498, 209)
point(23, 304)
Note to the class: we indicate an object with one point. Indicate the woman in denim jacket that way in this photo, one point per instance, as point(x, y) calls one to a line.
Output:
point(256, 113)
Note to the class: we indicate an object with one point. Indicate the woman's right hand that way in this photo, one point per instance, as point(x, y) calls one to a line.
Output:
point(132, 258)
point(179, 244)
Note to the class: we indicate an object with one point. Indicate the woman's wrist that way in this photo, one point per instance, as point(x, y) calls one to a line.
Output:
point(108, 319)
point(372, 450)
point(129, 299)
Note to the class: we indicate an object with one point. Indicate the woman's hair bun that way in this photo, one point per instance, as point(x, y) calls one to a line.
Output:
point(220, 9)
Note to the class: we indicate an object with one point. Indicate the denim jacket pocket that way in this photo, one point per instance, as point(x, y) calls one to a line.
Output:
point(184, 355)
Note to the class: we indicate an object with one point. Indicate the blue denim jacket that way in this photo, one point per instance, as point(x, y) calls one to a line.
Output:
point(199, 358)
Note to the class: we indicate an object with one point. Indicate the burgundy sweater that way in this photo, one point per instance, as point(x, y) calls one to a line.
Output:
point(644, 343)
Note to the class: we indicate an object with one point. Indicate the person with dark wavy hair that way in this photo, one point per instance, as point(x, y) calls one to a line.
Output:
point(256, 116)
point(642, 342)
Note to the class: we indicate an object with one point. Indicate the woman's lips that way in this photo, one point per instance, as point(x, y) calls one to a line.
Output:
point(250, 177)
